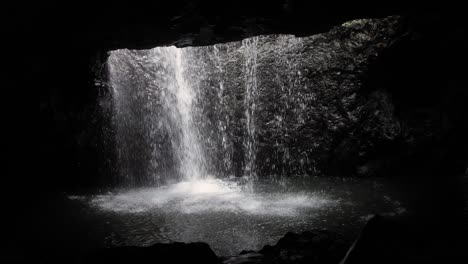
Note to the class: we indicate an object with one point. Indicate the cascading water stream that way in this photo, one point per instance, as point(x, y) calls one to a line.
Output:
point(249, 47)
point(180, 103)
point(222, 123)
point(192, 163)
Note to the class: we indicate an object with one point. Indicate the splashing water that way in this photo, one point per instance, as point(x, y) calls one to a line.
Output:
point(207, 196)
point(228, 216)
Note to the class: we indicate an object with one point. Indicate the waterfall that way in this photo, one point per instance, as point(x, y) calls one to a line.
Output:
point(179, 101)
point(223, 120)
point(188, 113)
point(157, 140)
point(249, 47)
point(264, 106)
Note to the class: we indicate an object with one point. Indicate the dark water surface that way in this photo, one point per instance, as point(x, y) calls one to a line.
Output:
point(229, 216)
point(64, 227)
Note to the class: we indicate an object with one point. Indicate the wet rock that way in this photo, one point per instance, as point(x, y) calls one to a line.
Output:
point(157, 253)
point(315, 246)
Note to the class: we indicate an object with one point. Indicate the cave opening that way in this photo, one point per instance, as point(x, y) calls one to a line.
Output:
point(258, 132)
point(230, 143)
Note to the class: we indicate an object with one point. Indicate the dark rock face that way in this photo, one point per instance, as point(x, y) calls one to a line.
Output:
point(327, 124)
point(425, 96)
point(157, 253)
point(386, 239)
point(314, 246)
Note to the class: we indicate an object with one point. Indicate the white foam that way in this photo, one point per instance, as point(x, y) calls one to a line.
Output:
point(209, 195)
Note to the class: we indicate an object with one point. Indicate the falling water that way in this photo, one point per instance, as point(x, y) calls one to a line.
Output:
point(180, 99)
point(174, 115)
point(154, 117)
point(187, 113)
point(250, 72)
point(223, 120)
point(265, 106)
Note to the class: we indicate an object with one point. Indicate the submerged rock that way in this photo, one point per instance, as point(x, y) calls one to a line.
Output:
point(247, 258)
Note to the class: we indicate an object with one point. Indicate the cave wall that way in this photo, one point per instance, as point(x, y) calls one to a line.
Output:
point(71, 41)
point(309, 109)
point(422, 74)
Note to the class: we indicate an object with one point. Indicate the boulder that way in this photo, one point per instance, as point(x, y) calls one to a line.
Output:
point(315, 246)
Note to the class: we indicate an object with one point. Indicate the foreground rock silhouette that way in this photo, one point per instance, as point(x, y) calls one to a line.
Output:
point(315, 246)
point(384, 239)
